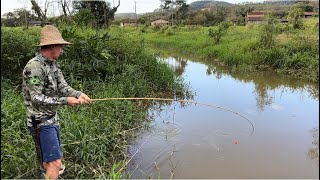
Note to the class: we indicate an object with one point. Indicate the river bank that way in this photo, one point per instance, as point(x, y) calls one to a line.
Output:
point(293, 52)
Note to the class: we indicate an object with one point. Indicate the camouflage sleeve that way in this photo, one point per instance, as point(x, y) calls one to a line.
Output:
point(34, 79)
point(63, 87)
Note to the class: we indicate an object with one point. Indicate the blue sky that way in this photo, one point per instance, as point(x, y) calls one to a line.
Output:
point(125, 6)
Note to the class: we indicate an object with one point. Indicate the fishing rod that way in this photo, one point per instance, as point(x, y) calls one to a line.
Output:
point(185, 101)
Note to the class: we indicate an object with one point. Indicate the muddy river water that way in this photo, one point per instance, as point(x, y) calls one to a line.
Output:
point(195, 141)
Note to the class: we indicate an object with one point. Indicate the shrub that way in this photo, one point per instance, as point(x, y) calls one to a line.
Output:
point(17, 48)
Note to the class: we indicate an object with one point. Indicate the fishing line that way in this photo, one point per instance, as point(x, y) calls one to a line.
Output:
point(185, 101)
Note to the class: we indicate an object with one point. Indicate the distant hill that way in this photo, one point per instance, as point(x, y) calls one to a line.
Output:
point(279, 2)
point(124, 16)
point(200, 4)
point(197, 5)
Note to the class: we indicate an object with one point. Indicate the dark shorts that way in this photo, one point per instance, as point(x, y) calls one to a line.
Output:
point(50, 143)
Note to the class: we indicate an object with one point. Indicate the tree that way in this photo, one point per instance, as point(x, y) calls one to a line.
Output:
point(84, 17)
point(295, 17)
point(216, 34)
point(241, 14)
point(101, 10)
point(42, 16)
point(22, 16)
point(18, 17)
point(183, 11)
point(143, 20)
point(175, 4)
point(198, 18)
point(268, 31)
point(65, 7)
point(10, 20)
point(305, 6)
point(215, 15)
point(166, 4)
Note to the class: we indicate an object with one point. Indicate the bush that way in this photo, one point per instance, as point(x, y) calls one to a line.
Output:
point(163, 29)
point(169, 32)
point(17, 48)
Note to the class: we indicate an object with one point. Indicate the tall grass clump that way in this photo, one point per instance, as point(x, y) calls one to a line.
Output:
point(17, 150)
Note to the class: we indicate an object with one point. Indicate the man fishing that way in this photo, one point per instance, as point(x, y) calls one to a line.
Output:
point(45, 88)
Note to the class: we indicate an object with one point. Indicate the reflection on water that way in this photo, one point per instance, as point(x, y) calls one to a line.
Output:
point(263, 81)
point(314, 151)
point(192, 141)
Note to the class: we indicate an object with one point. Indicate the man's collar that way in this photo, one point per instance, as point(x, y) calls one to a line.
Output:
point(43, 58)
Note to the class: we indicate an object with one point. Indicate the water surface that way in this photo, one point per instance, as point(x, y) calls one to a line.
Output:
point(203, 142)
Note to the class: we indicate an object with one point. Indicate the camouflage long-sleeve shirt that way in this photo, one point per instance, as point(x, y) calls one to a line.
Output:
point(44, 88)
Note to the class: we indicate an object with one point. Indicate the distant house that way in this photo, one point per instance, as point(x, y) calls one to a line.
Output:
point(258, 17)
point(38, 23)
point(255, 17)
point(128, 22)
point(159, 22)
point(310, 14)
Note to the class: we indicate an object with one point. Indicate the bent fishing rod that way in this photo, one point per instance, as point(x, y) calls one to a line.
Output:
point(185, 101)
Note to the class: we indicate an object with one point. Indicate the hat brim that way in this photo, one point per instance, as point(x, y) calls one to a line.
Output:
point(54, 43)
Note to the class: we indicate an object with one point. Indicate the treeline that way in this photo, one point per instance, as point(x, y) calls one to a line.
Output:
point(101, 14)
point(96, 14)
point(216, 13)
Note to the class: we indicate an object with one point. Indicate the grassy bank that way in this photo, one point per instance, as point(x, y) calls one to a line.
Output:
point(293, 52)
point(94, 137)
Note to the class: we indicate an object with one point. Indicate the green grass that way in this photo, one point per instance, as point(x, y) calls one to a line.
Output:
point(295, 52)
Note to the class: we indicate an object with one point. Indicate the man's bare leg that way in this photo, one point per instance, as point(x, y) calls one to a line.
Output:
point(53, 168)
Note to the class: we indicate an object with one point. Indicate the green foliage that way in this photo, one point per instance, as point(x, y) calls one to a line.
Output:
point(88, 55)
point(14, 161)
point(19, 17)
point(101, 10)
point(194, 27)
point(84, 17)
point(116, 172)
point(62, 21)
point(17, 48)
point(143, 28)
point(169, 31)
point(216, 34)
point(271, 56)
point(305, 6)
point(214, 17)
point(163, 29)
point(268, 30)
point(295, 17)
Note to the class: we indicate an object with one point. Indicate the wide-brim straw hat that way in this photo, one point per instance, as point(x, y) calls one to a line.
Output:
point(50, 35)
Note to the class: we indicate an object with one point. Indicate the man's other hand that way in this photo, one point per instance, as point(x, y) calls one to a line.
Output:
point(84, 99)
